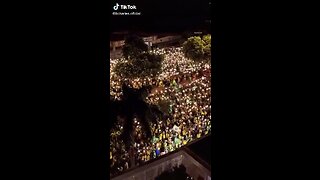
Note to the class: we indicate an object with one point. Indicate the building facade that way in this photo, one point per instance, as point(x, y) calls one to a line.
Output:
point(149, 40)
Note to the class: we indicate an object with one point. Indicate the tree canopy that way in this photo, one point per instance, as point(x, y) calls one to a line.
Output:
point(177, 173)
point(133, 46)
point(197, 48)
point(132, 105)
point(141, 66)
point(140, 62)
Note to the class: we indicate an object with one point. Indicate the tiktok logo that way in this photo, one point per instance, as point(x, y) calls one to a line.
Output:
point(116, 7)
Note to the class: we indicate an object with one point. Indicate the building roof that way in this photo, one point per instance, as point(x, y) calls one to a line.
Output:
point(202, 148)
point(185, 150)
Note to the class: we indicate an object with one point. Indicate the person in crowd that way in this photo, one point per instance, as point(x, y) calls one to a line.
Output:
point(186, 85)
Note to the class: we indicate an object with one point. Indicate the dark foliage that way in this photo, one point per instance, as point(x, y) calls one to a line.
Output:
point(141, 65)
point(198, 49)
point(133, 105)
point(133, 47)
point(177, 173)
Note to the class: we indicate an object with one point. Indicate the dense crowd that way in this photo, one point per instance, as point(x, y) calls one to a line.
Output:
point(186, 85)
point(174, 66)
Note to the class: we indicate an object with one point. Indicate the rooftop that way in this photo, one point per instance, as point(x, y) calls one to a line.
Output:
point(187, 155)
point(202, 148)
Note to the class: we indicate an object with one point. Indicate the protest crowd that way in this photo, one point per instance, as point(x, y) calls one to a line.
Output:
point(186, 86)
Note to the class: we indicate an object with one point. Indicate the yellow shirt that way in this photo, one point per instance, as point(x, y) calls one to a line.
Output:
point(184, 142)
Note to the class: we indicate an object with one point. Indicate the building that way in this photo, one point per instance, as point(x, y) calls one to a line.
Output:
point(195, 166)
point(158, 40)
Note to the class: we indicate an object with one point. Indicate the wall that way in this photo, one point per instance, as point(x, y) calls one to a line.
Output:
point(154, 169)
point(153, 39)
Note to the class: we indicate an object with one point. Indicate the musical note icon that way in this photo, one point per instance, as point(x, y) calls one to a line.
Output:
point(116, 7)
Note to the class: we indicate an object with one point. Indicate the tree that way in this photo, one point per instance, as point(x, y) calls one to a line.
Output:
point(130, 106)
point(207, 39)
point(164, 106)
point(133, 46)
point(193, 48)
point(207, 46)
point(177, 173)
point(141, 65)
point(198, 49)
point(140, 62)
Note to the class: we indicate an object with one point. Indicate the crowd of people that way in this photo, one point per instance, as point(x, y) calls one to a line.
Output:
point(174, 66)
point(186, 86)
